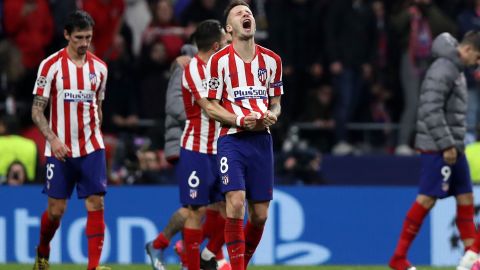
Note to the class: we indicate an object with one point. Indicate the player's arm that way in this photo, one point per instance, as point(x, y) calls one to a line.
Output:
point(273, 112)
point(101, 97)
point(99, 111)
point(275, 92)
point(59, 149)
point(220, 114)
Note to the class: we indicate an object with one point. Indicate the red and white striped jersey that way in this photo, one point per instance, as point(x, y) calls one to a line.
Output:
point(73, 93)
point(244, 87)
point(200, 132)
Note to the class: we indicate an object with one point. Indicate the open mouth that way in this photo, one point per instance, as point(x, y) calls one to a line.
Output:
point(247, 24)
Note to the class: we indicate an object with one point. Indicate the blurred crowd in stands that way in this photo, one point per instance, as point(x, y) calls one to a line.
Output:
point(352, 72)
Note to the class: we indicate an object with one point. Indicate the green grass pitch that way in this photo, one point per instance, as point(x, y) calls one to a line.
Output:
point(146, 267)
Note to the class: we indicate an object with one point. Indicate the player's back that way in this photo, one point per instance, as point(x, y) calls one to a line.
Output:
point(73, 93)
point(200, 132)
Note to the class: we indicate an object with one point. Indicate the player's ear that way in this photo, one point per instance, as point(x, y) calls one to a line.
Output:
point(66, 34)
point(228, 28)
point(216, 46)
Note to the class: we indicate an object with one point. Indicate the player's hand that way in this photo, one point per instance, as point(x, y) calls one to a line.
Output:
point(269, 119)
point(450, 155)
point(59, 149)
point(250, 121)
point(183, 60)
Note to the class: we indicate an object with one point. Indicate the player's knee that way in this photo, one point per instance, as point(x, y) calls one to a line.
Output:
point(426, 201)
point(259, 219)
point(237, 204)
point(94, 203)
point(56, 211)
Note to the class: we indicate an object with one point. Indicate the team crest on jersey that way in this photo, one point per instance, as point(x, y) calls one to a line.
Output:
point(214, 83)
point(41, 82)
point(225, 179)
point(193, 193)
point(262, 75)
point(93, 78)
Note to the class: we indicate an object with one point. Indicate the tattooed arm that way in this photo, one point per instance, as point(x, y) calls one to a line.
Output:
point(274, 111)
point(59, 149)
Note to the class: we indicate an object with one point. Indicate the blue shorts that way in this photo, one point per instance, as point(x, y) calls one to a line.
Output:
point(439, 180)
point(198, 178)
point(245, 161)
point(87, 172)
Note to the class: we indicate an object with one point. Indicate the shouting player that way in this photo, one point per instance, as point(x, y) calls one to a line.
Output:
point(74, 81)
point(246, 80)
point(440, 135)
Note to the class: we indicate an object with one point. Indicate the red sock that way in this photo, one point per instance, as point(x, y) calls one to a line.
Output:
point(161, 242)
point(253, 235)
point(47, 231)
point(235, 240)
point(219, 255)
point(208, 227)
point(465, 223)
point(217, 236)
point(476, 245)
point(411, 226)
point(193, 239)
point(95, 232)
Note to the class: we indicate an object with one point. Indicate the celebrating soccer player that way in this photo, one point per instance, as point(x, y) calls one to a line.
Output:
point(246, 80)
point(440, 139)
point(74, 80)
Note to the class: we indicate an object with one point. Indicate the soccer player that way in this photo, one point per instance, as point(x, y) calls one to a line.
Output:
point(440, 139)
point(246, 80)
point(197, 171)
point(209, 37)
point(73, 80)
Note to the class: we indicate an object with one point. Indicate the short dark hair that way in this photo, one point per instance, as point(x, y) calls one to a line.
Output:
point(207, 33)
point(233, 4)
point(472, 38)
point(79, 20)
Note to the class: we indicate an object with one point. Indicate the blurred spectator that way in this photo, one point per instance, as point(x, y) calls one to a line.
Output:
point(137, 16)
point(383, 48)
point(121, 107)
point(302, 59)
point(416, 24)
point(16, 174)
point(379, 113)
point(16, 148)
point(108, 16)
point(351, 66)
point(318, 110)
point(469, 20)
point(164, 30)
point(153, 168)
point(60, 10)
point(200, 10)
point(29, 24)
point(300, 163)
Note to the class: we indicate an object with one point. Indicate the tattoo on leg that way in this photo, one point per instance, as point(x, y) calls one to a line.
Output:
point(175, 224)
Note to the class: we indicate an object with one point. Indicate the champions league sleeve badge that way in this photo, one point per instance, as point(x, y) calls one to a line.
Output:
point(214, 83)
point(41, 82)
